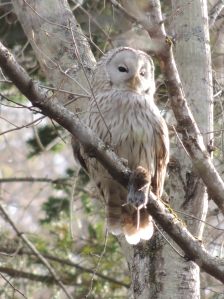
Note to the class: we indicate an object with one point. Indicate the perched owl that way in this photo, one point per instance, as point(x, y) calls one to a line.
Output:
point(123, 114)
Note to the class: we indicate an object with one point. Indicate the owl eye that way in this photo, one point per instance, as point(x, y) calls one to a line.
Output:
point(142, 73)
point(123, 69)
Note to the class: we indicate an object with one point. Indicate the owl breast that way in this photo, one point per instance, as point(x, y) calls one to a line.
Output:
point(126, 121)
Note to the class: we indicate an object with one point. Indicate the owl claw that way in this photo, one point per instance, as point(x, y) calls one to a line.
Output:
point(124, 161)
point(138, 188)
point(138, 198)
point(138, 191)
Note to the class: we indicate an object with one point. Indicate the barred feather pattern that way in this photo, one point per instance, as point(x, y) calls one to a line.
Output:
point(138, 134)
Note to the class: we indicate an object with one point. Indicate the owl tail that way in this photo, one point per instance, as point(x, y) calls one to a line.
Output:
point(134, 229)
point(114, 210)
point(124, 219)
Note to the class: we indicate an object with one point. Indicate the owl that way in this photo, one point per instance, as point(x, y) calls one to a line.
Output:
point(123, 114)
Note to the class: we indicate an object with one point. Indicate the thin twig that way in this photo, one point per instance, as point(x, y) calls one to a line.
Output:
point(124, 11)
point(5, 14)
point(10, 250)
point(24, 126)
point(9, 122)
point(6, 3)
point(31, 108)
point(196, 218)
point(162, 234)
point(64, 91)
point(178, 137)
point(71, 206)
point(91, 18)
point(56, 65)
point(41, 17)
point(12, 286)
point(34, 277)
point(34, 250)
point(90, 86)
point(98, 264)
point(35, 180)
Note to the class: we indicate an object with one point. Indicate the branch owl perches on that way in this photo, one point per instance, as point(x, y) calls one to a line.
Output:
point(123, 114)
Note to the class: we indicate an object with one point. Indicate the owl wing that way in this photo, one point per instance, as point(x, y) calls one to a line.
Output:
point(161, 156)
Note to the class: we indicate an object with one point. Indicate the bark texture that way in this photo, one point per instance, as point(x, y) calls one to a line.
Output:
point(60, 47)
point(187, 191)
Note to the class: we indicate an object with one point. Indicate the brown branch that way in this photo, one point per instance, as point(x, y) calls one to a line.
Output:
point(129, 16)
point(35, 277)
point(96, 148)
point(36, 180)
point(34, 250)
point(12, 286)
point(191, 136)
point(192, 247)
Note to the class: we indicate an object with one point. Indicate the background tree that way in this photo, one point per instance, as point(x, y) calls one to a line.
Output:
point(63, 53)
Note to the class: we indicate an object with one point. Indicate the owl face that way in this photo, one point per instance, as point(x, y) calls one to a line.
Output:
point(131, 70)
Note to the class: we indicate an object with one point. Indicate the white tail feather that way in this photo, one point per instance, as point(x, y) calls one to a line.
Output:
point(146, 232)
point(133, 239)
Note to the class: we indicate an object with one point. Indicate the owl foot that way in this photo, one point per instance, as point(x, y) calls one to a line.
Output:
point(138, 188)
point(124, 161)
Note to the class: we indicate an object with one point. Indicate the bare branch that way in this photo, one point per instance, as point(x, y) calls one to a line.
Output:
point(98, 264)
point(63, 181)
point(34, 277)
point(35, 251)
point(51, 41)
point(11, 285)
point(10, 248)
point(193, 248)
point(23, 126)
point(94, 147)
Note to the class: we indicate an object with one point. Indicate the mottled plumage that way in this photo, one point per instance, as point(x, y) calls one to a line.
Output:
point(124, 115)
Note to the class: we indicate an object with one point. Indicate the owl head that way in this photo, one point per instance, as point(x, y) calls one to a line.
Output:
point(125, 69)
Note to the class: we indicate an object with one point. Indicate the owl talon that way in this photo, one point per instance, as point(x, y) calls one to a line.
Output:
point(124, 161)
point(138, 188)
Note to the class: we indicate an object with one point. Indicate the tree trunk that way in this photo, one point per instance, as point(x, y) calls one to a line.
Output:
point(60, 47)
point(157, 271)
point(187, 192)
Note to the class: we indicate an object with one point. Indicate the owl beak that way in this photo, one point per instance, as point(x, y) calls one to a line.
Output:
point(134, 82)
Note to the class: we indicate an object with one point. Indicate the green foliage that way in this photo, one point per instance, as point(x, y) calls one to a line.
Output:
point(54, 207)
point(12, 34)
point(89, 251)
point(45, 135)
